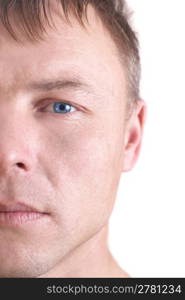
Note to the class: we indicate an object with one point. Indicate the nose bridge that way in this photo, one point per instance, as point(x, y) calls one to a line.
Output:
point(15, 141)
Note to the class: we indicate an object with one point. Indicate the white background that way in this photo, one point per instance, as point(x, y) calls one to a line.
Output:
point(148, 222)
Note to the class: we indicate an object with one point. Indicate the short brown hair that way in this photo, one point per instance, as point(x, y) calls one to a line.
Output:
point(113, 13)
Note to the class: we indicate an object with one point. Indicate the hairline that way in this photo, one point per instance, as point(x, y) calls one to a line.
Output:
point(38, 34)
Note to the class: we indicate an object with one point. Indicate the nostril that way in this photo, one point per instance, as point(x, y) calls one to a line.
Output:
point(21, 165)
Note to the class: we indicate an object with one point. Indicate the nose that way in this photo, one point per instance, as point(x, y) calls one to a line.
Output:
point(14, 158)
point(16, 146)
point(13, 161)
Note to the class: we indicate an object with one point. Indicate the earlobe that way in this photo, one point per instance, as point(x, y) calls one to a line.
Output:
point(133, 136)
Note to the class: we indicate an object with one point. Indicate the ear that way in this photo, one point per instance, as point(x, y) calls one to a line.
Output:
point(133, 135)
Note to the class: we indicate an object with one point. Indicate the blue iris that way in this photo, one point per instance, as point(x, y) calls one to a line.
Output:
point(61, 107)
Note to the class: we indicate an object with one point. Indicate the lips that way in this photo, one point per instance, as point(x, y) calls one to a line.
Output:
point(18, 213)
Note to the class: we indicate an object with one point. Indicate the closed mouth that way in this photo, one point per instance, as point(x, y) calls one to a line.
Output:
point(18, 214)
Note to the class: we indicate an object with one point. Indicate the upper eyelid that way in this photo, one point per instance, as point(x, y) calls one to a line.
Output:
point(64, 102)
point(45, 102)
point(59, 102)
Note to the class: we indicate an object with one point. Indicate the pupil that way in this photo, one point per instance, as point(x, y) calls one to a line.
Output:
point(62, 106)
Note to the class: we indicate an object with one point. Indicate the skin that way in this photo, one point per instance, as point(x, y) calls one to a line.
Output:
point(66, 165)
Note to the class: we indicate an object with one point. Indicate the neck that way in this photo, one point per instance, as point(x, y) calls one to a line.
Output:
point(91, 259)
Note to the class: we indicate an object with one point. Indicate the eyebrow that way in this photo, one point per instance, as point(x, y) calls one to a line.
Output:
point(57, 84)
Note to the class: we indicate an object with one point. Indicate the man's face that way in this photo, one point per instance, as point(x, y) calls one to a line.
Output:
point(66, 164)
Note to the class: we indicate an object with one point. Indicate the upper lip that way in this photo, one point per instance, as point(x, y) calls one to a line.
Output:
point(17, 207)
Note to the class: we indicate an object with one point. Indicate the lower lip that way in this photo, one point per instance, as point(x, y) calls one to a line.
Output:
point(19, 217)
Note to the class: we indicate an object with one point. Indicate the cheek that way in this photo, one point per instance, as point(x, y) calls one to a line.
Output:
point(91, 185)
point(89, 166)
point(80, 151)
point(83, 168)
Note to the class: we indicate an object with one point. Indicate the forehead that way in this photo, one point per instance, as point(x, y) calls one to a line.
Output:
point(65, 48)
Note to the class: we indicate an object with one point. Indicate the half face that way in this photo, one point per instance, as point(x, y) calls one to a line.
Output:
point(62, 106)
